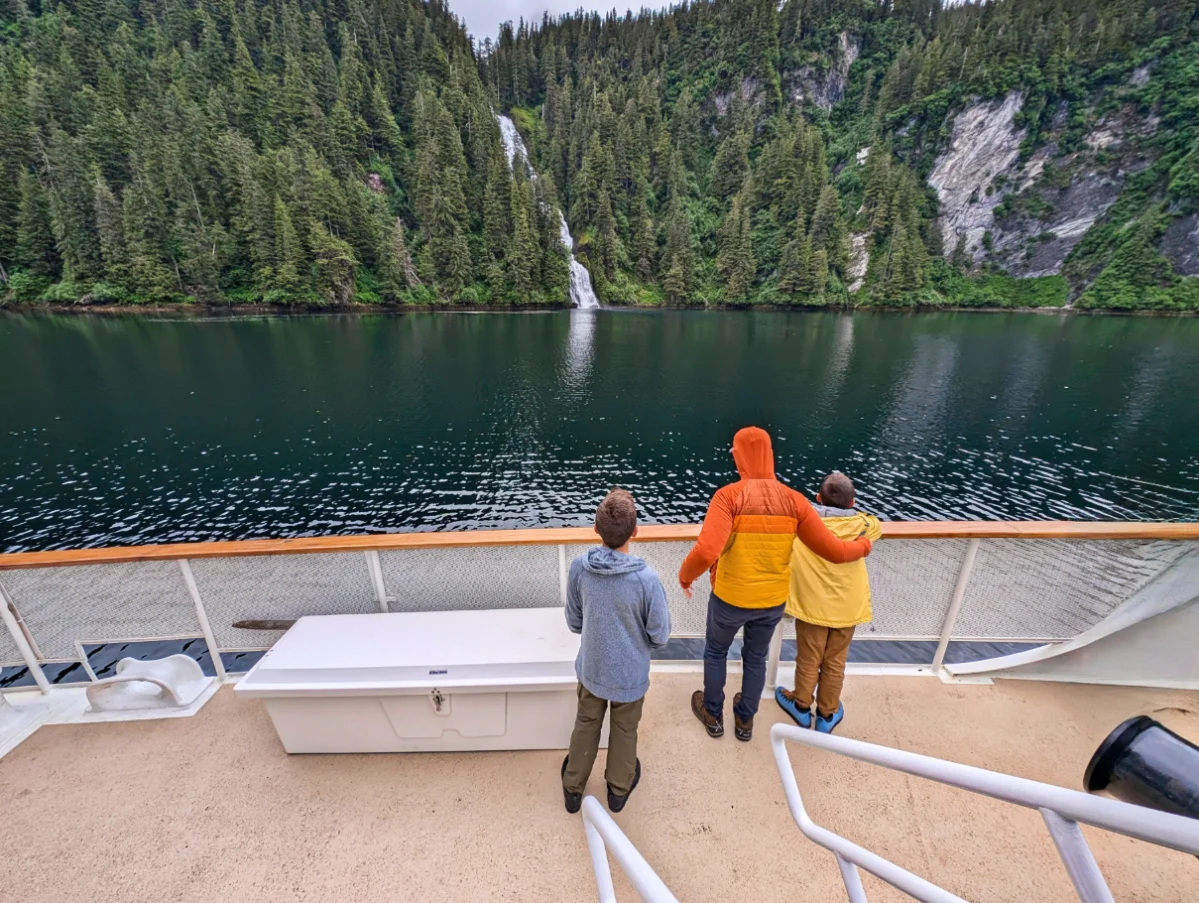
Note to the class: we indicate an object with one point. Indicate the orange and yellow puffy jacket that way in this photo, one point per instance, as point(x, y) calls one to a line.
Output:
point(750, 525)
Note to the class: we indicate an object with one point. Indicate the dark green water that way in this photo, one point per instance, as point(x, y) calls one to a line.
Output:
point(131, 430)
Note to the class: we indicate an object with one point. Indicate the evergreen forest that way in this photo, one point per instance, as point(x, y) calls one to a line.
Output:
point(718, 153)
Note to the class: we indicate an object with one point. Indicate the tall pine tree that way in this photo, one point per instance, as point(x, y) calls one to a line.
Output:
point(735, 256)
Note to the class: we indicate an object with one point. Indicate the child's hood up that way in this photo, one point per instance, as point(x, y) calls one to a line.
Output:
point(608, 561)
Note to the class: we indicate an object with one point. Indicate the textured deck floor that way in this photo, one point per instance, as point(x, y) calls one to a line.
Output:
point(211, 808)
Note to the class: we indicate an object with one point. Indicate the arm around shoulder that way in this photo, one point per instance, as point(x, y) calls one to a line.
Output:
point(813, 533)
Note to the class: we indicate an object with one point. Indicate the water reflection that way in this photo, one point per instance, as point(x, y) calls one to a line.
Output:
point(124, 430)
point(580, 347)
point(1147, 384)
point(839, 358)
point(1021, 381)
point(918, 406)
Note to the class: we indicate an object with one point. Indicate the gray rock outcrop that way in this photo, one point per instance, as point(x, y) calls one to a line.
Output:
point(985, 144)
point(1180, 245)
point(826, 87)
point(1026, 216)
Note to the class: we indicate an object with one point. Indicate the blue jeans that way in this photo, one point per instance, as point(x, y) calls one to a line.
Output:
point(723, 622)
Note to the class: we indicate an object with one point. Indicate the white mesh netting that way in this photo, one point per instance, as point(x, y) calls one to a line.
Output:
point(101, 602)
point(912, 583)
point(688, 618)
point(1019, 589)
point(472, 578)
point(1055, 589)
point(279, 587)
point(9, 654)
point(911, 592)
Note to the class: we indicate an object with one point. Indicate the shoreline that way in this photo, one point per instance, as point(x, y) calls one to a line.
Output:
point(212, 310)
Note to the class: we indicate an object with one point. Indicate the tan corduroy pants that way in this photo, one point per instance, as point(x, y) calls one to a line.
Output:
point(820, 654)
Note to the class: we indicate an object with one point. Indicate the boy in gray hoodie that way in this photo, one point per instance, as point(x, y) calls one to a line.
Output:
point(617, 603)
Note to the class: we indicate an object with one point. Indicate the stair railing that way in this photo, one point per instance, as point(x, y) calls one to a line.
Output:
point(1063, 810)
point(604, 836)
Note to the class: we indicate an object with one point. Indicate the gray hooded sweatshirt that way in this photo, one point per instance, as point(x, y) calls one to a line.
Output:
point(619, 606)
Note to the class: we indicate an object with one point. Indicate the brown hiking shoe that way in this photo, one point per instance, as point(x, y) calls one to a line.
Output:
point(713, 725)
point(742, 730)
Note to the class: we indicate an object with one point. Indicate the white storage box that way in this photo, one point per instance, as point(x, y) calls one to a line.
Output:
point(421, 681)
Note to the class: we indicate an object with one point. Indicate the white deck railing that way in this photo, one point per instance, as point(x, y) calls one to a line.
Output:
point(933, 582)
point(1062, 810)
point(603, 837)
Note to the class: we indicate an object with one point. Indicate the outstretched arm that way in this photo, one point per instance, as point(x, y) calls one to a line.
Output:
point(713, 537)
point(816, 536)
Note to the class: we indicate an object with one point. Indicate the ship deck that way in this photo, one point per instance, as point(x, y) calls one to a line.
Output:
point(210, 807)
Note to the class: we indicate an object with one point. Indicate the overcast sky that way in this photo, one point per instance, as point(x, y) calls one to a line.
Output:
point(483, 17)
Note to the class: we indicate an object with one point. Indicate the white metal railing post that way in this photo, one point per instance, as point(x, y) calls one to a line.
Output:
point(214, 651)
point(852, 880)
point(599, 862)
point(955, 604)
point(603, 834)
point(562, 572)
point(773, 658)
point(22, 644)
point(1077, 857)
point(375, 567)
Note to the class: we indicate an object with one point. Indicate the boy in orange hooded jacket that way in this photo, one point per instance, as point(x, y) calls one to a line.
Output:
point(745, 542)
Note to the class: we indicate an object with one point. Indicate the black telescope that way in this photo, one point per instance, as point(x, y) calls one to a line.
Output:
point(1146, 763)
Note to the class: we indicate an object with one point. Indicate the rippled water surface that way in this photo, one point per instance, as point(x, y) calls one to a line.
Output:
point(132, 430)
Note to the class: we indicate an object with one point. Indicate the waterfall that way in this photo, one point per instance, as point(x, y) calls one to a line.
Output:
point(581, 292)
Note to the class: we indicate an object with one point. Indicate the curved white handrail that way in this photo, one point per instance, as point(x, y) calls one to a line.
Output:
point(1061, 809)
point(604, 835)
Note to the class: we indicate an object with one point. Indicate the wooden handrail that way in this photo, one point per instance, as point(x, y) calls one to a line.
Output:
point(574, 536)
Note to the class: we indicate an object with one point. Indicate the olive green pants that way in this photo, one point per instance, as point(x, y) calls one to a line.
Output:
point(622, 743)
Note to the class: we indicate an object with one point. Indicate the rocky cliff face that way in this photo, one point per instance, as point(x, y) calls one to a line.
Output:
point(859, 260)
point(984, 147)
point(1025, 216)
point(826, 86)
point(749, 91)
point(1180, 244)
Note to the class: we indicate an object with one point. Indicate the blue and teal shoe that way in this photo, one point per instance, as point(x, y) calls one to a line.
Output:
point(802, 717)
point(826, 725)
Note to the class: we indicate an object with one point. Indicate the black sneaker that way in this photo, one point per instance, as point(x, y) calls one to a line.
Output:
point(742, 730)
point(713, 725)
point(616, 801)
point(574, 801)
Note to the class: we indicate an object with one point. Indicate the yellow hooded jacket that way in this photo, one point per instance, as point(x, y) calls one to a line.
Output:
point(827, 594)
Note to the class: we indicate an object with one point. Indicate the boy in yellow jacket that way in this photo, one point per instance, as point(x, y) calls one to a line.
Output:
point(827, 601)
